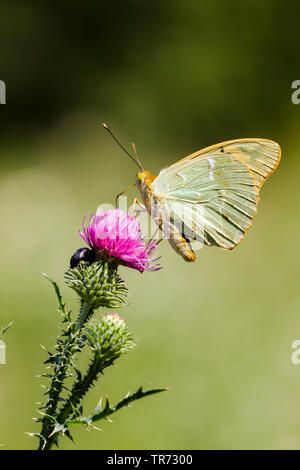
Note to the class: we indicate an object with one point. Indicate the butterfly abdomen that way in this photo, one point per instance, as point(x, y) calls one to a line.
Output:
point(181, 245)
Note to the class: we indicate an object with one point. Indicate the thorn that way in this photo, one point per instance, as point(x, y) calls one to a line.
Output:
point(31, 434)
point(95, 427)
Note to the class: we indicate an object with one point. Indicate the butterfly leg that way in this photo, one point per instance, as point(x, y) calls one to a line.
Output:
point(160, 240)
point(134, 211)
point(123, 192)
point(158, 228)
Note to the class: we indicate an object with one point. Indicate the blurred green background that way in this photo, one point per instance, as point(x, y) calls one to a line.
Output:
point(173, 77)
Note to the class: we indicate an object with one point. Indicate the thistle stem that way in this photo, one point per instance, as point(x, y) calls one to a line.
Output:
point(97, 286)
point(60, 371)
point(80, 388)
point(85, 312)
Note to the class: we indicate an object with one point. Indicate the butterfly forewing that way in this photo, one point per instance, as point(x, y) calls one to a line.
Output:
point(213, 193)
point(261, 155)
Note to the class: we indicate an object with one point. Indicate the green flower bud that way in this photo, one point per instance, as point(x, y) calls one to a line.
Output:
point(108, 336)
point(97, 284)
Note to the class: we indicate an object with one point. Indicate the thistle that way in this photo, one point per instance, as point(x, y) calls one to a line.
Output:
point(108, 337)
point(114, 238)
point(97, 284)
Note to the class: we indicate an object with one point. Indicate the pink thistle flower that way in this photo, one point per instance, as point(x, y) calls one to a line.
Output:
point(116, 236)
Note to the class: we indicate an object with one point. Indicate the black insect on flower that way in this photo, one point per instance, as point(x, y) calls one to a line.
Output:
point(82, 254)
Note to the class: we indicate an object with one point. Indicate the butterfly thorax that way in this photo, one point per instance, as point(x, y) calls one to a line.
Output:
point(156, 208)
point(144, 184)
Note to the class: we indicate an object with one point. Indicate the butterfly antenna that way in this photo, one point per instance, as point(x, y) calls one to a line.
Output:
point(123, 148)
point(136, 156)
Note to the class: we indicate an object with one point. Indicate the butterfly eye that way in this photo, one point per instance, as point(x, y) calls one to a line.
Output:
point(140, 176)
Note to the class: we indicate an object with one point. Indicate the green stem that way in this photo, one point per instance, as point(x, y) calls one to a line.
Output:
point(85, 312)
point(81, 387)
point(79, 390)
point(60, 372)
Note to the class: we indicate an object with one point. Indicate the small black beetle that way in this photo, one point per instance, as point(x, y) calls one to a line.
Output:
point(82, 254)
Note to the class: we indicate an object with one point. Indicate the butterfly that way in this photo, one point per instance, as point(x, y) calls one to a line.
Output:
point(210, 195)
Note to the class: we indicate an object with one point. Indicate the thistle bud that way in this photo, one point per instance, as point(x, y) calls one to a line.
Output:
point(109, 336)
point(97, 284)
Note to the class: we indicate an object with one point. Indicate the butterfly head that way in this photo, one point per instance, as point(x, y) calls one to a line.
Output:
point(144, 178)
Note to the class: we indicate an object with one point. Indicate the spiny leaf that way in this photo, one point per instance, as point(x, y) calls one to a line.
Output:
point(80, 420)
point(61, 304)
point(108, 409)
point(5, 328)
point(58, 428)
